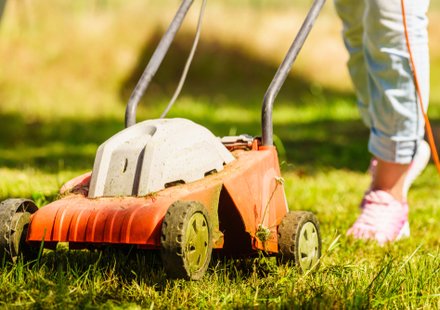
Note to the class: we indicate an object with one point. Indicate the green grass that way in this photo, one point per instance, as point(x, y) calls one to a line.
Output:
point(68, 69)
point(351, 275)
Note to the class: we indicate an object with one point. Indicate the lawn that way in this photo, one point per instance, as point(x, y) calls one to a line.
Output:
point(67, 70)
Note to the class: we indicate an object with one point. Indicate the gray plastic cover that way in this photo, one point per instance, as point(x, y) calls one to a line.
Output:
point(150, 155)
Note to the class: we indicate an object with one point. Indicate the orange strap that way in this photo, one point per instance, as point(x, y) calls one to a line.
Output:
point(419, 93)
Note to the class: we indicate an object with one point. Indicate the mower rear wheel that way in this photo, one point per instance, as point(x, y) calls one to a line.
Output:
point(186, 240)
point(15, 216)
point(299, 240)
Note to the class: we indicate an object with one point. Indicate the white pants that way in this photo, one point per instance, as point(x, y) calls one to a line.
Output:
point(379, 66)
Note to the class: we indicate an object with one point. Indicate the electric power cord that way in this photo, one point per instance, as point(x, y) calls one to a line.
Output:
point(428, 127)
point(188, 61)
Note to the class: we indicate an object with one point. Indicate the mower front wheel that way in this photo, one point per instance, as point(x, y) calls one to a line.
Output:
point(15, 216)
point(299, 240)
point(186, 240)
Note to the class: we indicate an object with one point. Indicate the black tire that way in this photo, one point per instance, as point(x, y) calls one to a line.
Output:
point(15, 216)
point(186, 240)
point(299, 240)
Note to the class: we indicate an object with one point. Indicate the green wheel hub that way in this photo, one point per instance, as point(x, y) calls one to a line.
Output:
point(308, 246)
point(186, 240)
point(196, 242)
point(299, 240)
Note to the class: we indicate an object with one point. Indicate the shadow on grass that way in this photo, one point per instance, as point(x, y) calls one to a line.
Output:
point(130, 264)
point(71, 144)
point(225, 75)
point(50, 145)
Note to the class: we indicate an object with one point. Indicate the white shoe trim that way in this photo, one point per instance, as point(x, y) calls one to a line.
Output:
point(421, 159)
point(404, 232)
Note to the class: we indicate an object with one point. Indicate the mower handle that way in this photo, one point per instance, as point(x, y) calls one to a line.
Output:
point(283, 71)
point(154, 63)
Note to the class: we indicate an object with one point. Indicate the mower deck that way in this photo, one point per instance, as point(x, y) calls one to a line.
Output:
point(85, 222)
point(170, 184)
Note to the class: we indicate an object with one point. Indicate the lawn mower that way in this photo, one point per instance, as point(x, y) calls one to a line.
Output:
point(171, 185)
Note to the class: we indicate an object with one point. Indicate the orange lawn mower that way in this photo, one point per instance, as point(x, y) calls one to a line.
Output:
point(171, 185)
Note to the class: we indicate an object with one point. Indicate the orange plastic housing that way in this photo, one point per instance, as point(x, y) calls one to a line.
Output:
point(246, 194)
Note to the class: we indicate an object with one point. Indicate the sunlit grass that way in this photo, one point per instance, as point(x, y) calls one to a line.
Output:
point(67, 70)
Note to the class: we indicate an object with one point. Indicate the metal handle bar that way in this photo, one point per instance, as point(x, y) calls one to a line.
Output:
point(283, 71)
point(154, 63)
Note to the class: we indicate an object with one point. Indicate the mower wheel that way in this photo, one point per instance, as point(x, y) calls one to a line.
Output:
point(186, 240)
point(299, 240)
point(15, 215)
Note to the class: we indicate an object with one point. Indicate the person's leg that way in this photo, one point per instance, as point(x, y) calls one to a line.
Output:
point(390, 178)
point(397, 125)
point(351, 13)
point(419, 163)
point(363, 43)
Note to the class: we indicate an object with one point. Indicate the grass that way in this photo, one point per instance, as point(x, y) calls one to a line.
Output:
point(351, 275)
point(67, 71)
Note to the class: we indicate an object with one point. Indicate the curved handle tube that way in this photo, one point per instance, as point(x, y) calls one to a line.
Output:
point(154, 63)
point(283, 71)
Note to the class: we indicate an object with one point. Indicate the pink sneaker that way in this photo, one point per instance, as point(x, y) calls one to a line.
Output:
point(383, 219)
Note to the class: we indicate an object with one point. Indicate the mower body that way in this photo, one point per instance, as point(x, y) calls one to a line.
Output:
point(242, 196)
point(170, 184)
